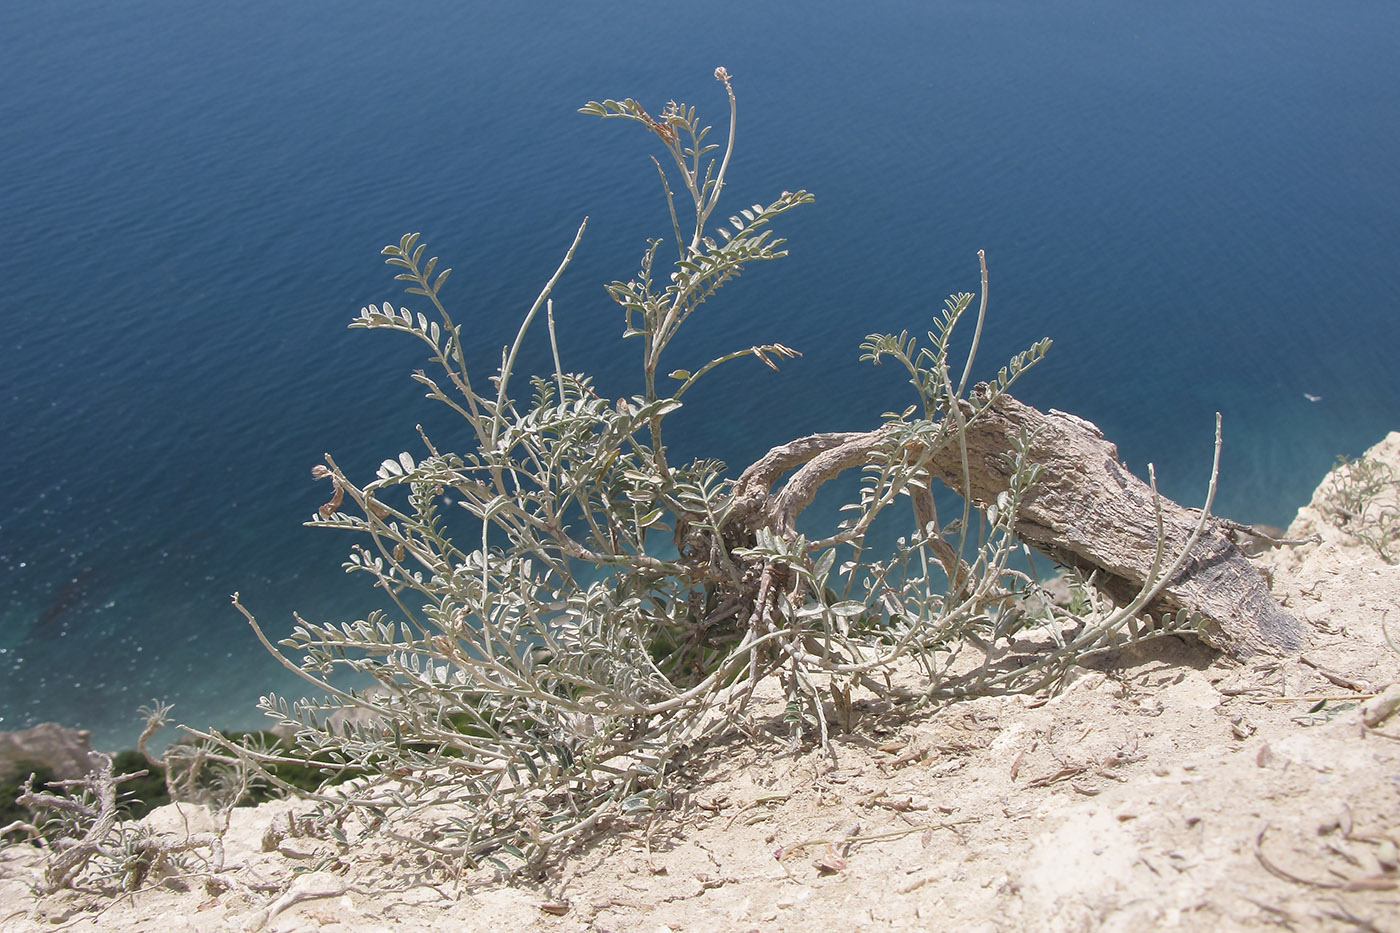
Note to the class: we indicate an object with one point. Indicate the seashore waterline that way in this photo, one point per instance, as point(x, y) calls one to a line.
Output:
point(1195, 203)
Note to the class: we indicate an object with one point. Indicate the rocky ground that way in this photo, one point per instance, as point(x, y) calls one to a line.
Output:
point(1164, 787)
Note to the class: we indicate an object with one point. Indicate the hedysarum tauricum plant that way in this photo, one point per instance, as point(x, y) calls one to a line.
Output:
point(591, 609)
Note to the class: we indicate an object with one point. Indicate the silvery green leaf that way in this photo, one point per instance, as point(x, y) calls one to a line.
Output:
point(637, 803)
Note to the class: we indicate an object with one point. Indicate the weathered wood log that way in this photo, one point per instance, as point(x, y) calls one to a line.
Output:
point(1089, 512)
point(1086, 511)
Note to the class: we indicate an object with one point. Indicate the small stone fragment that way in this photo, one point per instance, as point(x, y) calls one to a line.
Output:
point(298, 848)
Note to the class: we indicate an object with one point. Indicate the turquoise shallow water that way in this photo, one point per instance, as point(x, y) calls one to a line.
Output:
point(1198, 203)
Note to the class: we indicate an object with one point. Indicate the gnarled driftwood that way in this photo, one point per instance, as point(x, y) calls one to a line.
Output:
point(1088, 511)
point(1085, 511)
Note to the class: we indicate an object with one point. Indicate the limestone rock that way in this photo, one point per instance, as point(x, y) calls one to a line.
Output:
point(62, 749)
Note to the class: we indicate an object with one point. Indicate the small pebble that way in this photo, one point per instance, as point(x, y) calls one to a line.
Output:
point(1388, 855)
point(298, 848)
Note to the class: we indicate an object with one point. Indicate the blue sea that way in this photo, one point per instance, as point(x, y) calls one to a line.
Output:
point(1199, 201)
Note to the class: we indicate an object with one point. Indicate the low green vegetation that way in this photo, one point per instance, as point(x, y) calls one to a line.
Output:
point(11, 811)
